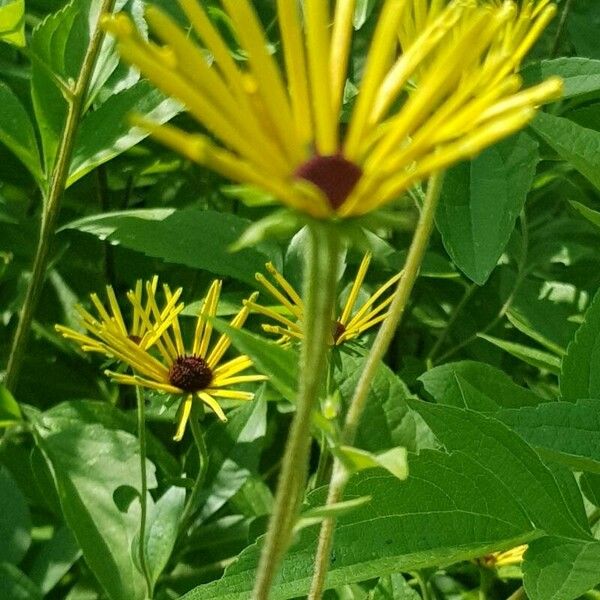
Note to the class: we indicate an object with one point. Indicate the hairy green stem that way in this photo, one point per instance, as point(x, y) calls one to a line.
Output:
point(60, 173)
point(320, 275)
point(192, 503)
point(339, 476)
point(141, 413)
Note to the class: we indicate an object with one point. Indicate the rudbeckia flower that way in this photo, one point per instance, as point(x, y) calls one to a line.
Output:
point(422, 105)
point(350, 323)
point(192, 372)
point(505, 559)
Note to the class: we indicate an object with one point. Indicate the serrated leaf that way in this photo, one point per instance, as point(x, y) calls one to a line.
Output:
point(581, 76)
point(568, 432)
point(12, 22)
point(196, 238)
point(478, 386)
point(481, 201)
point(576, 144)
point(17, 133)
point(461, 503)
point(531, 356)
point(279, 364)
point(488, 441)
point(387, 420)
point(580, 374)
point(106, 133)
point(558, 569)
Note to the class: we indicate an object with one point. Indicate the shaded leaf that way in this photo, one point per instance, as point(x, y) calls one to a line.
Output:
point(15, 585)
point(581, 76)
point(558, 569)
point(15, 520)
point(568, 432)
point(481, 201)
point(580, 374)
point(196, 238)
point(593, 216)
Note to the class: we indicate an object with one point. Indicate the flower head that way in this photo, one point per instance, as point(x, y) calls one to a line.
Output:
point(194, 371)
point(350, 323)
point(279, 128)
point(505, 559)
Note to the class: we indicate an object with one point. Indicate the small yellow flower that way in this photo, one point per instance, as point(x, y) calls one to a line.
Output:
point(192, 372)
point(278, 128)
point(348, 326)
point(505, 559)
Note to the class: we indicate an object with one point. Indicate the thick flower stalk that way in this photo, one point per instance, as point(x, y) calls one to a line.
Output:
point(191, 372)
point(349, 324)
point(279, 128)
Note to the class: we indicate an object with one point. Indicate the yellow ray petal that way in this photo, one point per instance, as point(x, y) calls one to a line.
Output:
point(184, 414)
point(355, 290)
point(213, 404)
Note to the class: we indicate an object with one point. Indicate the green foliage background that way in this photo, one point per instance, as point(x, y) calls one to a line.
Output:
point(492, 383)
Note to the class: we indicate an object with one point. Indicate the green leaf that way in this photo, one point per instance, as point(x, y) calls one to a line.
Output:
point(580, 374)
point(106, 133)
point(162, 529)
point(568, 432)
point(532, 356)
point(196, 238)
point(394, 460)
point(15, 520)
point(16, 131)
point(234, 454)
point(490, 442)
point(558, 569)
point(593, 216)
point(460, 502)
point(55, 559)
point(271, 359)
point(477, 386)
point(581, 76)
point(576, 144)
point(10, 412)
point(67, 414)
point(387, 420)
point(12, 22)
point(481, 201)
point(15, 585)
point(394, 587)
point(92, 465)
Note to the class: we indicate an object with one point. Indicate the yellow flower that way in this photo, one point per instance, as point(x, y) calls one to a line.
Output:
point(348, 326)
point(278, 128)
point(191, 372)
point(505, 559)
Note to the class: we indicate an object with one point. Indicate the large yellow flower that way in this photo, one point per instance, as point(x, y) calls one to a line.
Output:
point(348, 326)
point(191, 372)
point(279, 128)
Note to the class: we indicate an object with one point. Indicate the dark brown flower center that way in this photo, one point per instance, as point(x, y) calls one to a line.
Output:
point(334, 175)
point(338, 330)
point(136, 339)
point(190, 374)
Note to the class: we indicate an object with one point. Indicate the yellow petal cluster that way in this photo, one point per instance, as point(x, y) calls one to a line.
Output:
point(349, 325)
point(152, 346)
point(438, 86)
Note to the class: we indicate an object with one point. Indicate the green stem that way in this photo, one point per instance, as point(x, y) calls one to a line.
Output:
point(519, 594)
point(141, 412)
point(339, 476)
point(423, 585)
point(320, 275)
point(192, 503)
point(51, 210)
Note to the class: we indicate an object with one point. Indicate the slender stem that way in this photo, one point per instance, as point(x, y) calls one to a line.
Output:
point(60, 173)
point(423, 585)
point(141, 412)
point(519, 594)
point(192, 503)
point(339, 476)
point(561, 26)
point(320, 275)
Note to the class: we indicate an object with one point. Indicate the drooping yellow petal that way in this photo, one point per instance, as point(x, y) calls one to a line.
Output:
point(184, 414)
